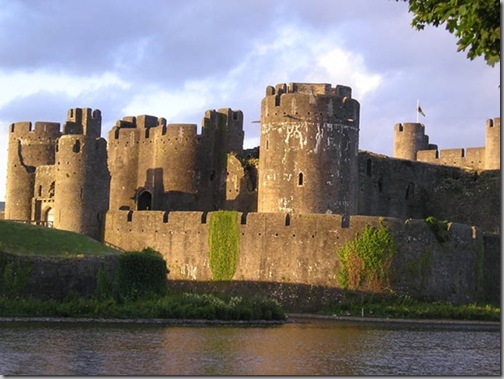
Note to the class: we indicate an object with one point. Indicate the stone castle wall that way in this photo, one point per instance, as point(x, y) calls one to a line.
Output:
point(411, 143)
point(407, 189)
point(301, 248)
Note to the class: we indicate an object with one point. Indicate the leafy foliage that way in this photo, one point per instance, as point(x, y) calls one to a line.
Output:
point(387, 306)
point(224, 244)
point(365, 261)
point(170, 306)
point(476, 24)
point(141, 273)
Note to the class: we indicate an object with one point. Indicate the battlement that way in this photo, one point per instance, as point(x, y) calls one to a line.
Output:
point(42, 129)
point(138, 122)
point(310, 101)
point(83, 121)
point(318, 89)
point(223, 117)
point(473, 157)
point(493, 123)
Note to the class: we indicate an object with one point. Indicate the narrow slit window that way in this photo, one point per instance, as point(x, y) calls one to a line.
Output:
point(300, 179)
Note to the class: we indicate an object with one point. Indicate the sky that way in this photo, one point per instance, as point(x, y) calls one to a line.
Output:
point(176, 59)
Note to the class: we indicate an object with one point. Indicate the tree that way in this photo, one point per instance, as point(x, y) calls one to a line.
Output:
point(476, 23)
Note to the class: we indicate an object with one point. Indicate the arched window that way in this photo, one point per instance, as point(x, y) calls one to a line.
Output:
point(300, 179)
point(144, 201)
point(369, 167)
point(49, 217)
point(76, 146)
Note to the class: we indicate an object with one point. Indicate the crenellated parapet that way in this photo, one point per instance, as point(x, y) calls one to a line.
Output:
point(83, 121)
point(411, 143)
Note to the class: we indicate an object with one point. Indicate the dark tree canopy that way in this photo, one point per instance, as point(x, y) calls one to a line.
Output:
point(476, 24)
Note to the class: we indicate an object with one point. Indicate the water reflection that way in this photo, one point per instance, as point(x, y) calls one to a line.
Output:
point(314, 348)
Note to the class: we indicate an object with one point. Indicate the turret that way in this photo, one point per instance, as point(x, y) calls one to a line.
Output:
point(308, 150)
point(492, 144)
point(83, 121)
point(409, 138)
point(221, 134)
point(28, 149)
point(81, 181)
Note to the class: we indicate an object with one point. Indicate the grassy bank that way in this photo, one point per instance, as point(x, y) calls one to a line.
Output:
point(170, 306)
point(24, 239)
point(408, 308)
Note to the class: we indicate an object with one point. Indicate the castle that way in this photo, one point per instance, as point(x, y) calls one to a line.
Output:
point(151, 181)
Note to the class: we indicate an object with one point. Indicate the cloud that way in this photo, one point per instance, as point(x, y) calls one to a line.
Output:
point(176, 59)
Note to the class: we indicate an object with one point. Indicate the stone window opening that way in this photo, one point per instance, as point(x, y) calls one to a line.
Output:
point(76, 147)
point(40, 191)
point(369, 167)
point(300, 179)
point(410, 191)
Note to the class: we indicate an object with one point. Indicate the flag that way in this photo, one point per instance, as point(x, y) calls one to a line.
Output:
point(419, 110)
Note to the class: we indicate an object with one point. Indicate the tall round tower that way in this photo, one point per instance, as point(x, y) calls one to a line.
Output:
point(28, 149)
point(409, 138)
point(174, 171)
point(81, 195)
point(492, 144)
point(308, 151)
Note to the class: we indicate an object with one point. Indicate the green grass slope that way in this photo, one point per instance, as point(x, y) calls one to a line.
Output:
point(23, 239)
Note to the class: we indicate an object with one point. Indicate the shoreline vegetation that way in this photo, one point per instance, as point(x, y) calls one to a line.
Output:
point(213, 308)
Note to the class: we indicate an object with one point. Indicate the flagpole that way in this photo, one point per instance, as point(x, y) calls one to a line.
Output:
point(417, 105)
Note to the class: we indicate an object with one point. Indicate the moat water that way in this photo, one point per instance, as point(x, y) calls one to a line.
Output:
point(299, 348)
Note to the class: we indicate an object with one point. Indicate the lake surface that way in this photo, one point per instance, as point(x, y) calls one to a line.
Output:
point(315, 347)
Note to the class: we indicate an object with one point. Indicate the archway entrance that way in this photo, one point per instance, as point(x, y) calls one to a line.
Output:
point(144, 202)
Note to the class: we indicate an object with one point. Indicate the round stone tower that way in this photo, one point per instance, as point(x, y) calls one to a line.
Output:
point(492, 144)
point(82, 178)
point(409, 138)
point(28, 149)
point(308, 150)
point(175, 161)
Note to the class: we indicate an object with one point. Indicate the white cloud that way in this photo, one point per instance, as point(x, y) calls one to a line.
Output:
point(24, 84)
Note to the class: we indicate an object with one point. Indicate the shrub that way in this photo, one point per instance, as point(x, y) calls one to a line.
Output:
point(141, 273)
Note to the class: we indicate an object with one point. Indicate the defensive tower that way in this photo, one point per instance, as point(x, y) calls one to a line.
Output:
point(28, 149)
point(492, 144)
point(308, 149)
point(152, 164)
point(81, 175)
point(409, 138)
point(221, 134)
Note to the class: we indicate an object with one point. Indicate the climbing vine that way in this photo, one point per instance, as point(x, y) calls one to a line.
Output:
point(365, 261)
point(224, 244)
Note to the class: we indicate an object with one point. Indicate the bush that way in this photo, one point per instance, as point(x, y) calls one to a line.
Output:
point(141, 273)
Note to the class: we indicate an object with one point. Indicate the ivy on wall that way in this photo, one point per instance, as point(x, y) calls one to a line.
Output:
point(365, 261)
point(223, 244)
